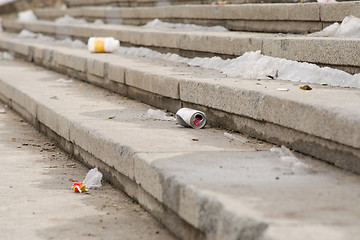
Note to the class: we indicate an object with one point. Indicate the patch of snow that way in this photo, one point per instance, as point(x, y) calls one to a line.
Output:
point(61, 80)
point(26, 16)
point(98, 22)
point(159, 115)
point(254, 65)
point(70, 20)
point(6, 56)
point(349, 28)
point(38, 36)
point(156, 23)
point(326, 1)
point(27, 34)
point(235, 138)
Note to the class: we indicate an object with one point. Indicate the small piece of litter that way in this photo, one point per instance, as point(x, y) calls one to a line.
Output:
point(93, 179)
point(78, 187)
point(61, 80)
point(219, 3)
point(283, 89)
point(72, 165)
point(306, 87)
point(235, 138)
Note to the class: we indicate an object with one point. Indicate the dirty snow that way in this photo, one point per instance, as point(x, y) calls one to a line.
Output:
point(158, 24)
point(98, 21)
point(66, 19)
point(38, 36)
point(70, 20)
point(251, 65)
point(254, 65)
point(159, 115)
point(326, 1)
point(6, 56)
point(289, 160)
point(26, 16)
point(61, 80)
point(235, 137)
point(349, 28)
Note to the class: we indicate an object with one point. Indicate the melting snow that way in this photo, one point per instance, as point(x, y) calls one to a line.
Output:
point(156, 23)
point(349, 28)
point(26, 16)
point(254, 65)
point(159, 115)
point(38, 36)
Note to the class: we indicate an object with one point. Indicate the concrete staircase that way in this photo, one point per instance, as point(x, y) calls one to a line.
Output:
point(271, 18)
point(200, 184)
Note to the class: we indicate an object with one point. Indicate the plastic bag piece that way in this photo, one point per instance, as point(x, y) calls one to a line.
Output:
point(93, 179)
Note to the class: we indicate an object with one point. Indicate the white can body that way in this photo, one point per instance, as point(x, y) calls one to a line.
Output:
point(188, 117)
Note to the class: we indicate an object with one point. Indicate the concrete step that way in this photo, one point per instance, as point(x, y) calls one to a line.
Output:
point(36, 197)
point(213, 188)
point(273, 18)
point(338, 53)
point(12, 7)
point(142, 3)
point(309, 122)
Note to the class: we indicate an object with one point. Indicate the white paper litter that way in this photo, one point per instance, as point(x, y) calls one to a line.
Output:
point(235, 138)
point(26, 16)
point(93, 179)
point(159, 115)
point(158, 24)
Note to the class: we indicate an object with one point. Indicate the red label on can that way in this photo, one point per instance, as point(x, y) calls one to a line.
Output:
point(197, 121)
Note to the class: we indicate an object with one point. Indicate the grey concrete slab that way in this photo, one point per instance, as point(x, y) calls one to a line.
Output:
point(225, 189)
point(294, 118)
point(303, 18)
point(37, 200)
point(334, 52)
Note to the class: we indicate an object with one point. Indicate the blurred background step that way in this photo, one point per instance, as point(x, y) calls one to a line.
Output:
point(154, 3)
point(272, 18)
point(341, 53)
point(10, 8)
